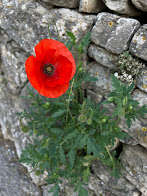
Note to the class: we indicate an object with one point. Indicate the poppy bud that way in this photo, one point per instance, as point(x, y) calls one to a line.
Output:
point(80, 69)
point(104, 120)
point(89, 121)
point(82, 118)
point(24, 129)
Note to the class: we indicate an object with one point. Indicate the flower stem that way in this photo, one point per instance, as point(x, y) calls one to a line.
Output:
point(69, 100)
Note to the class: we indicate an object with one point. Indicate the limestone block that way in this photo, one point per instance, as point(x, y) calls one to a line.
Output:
point(136, 131)
point(91, 6)
point(113, 33)
point(140, 4)
point(63, 3)
point(140, 96)
point(138, 46)
point(27, 22)
point(13, 60)
point(103, 85)
point(134, 160)
point(97, 98)
point(10, 125)
point(122, 7)
point(102, 56)
point(141, 82)
point(14, 179)
point(111, 185)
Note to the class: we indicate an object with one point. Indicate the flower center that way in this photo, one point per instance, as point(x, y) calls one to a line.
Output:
point(48, 69)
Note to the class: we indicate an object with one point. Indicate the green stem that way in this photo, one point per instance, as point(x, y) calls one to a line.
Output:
point(69, 100)
point(56, 30)
point(110, 156)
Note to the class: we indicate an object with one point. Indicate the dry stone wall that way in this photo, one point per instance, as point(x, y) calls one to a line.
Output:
point(115, 26)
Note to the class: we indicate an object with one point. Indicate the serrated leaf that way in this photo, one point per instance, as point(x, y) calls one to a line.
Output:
point(58, 113)
point(82, 192)
point(56, 130)
point(62, 155)
point(105, 133)
point(83, 142)
point(130, 88)
point(71, 155)
point(92, 147)
point(71, 35)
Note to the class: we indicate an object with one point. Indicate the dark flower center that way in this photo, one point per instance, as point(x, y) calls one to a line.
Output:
point(48, 69)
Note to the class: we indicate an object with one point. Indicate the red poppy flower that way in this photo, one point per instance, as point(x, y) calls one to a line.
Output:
point(52, 68)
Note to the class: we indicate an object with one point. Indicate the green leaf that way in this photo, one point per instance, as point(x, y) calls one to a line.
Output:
point(92, 147)
point(86, 40)
point(58, 113)
point(71, 35)
point(82, 192)
point(130, 88)
point(83, 142)
point(56, 130)
point(71, 155)
point(105, 133)
point(62, 155)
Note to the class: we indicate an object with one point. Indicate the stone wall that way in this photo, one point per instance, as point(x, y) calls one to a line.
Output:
point(116, 26)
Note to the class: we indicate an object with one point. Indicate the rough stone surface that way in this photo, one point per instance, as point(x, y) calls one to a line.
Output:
point(14, 179)
point(134, 160)
point(91, 6)
point(27, 22)
point(140, 4)
point(63, 3)
point(10, 125)
point(136, 131)
point(140, 96)
point(138, 46)
point(109, 183)
point(122, 7)
point(94, 96)
point(103, 85)
point(102, 56)
point(13, 59)
point(113, 33)
point(141, 82)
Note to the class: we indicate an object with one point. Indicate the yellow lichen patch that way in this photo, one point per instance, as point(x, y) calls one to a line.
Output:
point(144, 38)
point(145, 139)
point(110, 24)
point(144, 129)
point(96, 74)
point(144, 86)
point(135, 40)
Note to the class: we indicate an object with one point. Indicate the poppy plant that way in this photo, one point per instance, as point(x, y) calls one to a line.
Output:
point(52, 69)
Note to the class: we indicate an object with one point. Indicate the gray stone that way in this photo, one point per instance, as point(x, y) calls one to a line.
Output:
point(97, 98)
point(112, 185)
point(134, 160)
point(14, 179)
point(103, 85)
point(10, 125)
point(63, 3)
point(91, 6)
point(113, 33)
point(141, 82)
point(136, 130)
point(122, 7)
point(138, 46)
point(140, 4)
point(13, 60)
point(140, 96)
point(45, 189)
point(102, 56)
point(129, 140)
point(27, 22)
